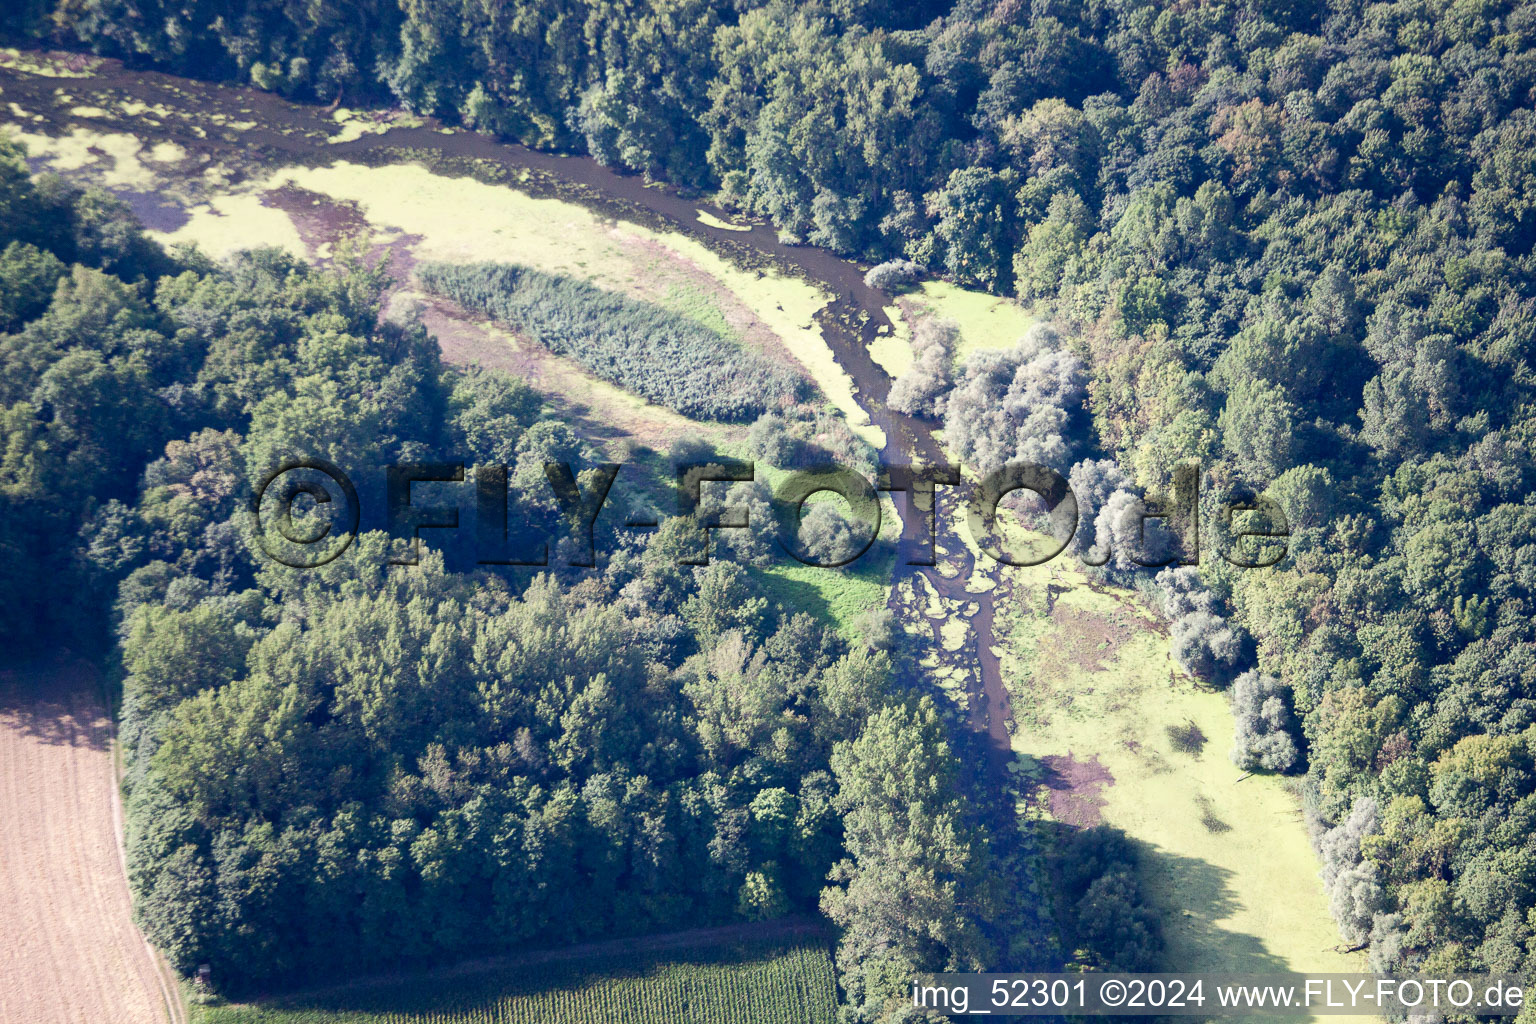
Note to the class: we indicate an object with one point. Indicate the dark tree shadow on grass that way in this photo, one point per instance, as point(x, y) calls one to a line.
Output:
point(58, 701)
point(1191, 898)
point(1188, 738)
point(1195, 896)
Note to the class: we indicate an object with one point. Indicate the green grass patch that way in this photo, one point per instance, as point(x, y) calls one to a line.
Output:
point(836, 596)
point(1225, 854)
point(699, 306)
point(767, 984)
point(986, 321)
point(710, 220)
point(893, 350)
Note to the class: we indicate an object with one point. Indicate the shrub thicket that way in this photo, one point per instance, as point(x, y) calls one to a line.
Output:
point(918, 391)
point(660, 355)
point(1105, 918)
point(1017, 405)
point(1264, 725)
point(893, 275)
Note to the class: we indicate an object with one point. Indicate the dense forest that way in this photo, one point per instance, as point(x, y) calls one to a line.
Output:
point(1290, 241)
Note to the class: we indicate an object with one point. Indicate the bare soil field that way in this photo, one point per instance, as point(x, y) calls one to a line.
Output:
point(69, 950)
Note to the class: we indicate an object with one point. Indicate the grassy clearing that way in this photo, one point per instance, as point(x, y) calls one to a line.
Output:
point(459, 220)
point(697, 305)
point(1225, 855)
point(768, 984)
point(836, 596)
point(986, 321)
point(893, 351)
point(833, 596)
